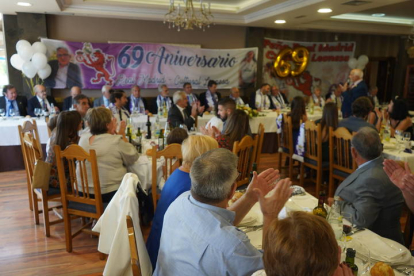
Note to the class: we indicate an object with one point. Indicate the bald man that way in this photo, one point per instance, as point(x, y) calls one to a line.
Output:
point(235, 95)
point(41, 100)
point(68, 102)
point(351, 92)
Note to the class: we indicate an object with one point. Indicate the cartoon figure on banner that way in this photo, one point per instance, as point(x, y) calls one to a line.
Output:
point(94, 58)
point(302, 82)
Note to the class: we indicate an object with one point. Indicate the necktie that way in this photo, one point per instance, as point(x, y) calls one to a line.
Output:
point(44, 106)
point(136, 102)
point(11, 107)
point(120, 115)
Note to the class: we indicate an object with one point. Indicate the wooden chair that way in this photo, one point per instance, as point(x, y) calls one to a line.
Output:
point(260, 134)
point(77, 200)
point(286, 143)
point(31, 154)
point(171, 154)
point(341, 163)
point(246, 151)
point(136, 270)
point(30, 127)
point(313, 154)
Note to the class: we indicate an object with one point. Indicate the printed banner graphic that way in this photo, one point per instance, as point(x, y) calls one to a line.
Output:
point(327, 65)
point(122, 65)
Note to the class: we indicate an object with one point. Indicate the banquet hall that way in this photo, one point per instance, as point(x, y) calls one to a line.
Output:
point(270, 70)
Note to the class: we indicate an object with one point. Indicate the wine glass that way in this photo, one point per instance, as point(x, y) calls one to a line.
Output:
point(407, 139)
point(399, 137)
point(37, 112)
point(12, 112)
point(2, 112)
point(364, 255)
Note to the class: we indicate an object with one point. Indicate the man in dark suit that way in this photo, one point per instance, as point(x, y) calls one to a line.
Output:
point(162, 99)
point(104, 100)
point(135, 101)
point(41, 100)
point(360, 110)
point(277, 99)
point(188, 89)
point(65, 74)
point(181, 112)
point(260, 99)
point(368, 195)
point(211, 97)
point(356, 90)
point(68, 102)
point(10, 101)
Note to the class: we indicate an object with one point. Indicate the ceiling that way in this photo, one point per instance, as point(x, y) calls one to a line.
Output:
point(347, 15)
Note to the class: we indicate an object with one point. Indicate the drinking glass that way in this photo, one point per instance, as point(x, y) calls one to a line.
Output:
point(183, 126)
point(2, 112)
point(407, 140)
point(399, 137)
point(12, 112)
point(364, 255)
point(37, 112)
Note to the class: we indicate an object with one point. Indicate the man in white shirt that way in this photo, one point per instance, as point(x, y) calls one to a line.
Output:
point(42, 101)
point(260, 99)
point(181, 112)
point(235, 95)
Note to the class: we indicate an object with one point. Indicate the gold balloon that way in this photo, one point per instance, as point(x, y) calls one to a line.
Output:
point(282, 66)
point(300, 56)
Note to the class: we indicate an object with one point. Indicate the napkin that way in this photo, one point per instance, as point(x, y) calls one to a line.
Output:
point(253, 218)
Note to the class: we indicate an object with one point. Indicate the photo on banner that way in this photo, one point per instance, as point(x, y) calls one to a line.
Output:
point(327, 65)
point(122, 65)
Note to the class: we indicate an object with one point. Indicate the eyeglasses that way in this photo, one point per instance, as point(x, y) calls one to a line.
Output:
point(62, 55)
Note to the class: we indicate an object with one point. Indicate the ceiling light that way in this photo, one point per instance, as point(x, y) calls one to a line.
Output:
point(325, 10)
point(378, 14)
point(24, 4)
point(280, 21)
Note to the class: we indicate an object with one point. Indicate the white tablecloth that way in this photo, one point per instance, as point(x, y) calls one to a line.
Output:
point(141, 120)
point(9, 134)
point(391, 152)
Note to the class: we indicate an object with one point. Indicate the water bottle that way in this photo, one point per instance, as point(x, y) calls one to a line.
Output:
point(387, 133)
point(335, 219)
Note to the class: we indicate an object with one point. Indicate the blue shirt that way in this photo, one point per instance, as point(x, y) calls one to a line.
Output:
point(200, 239)
point(15, 108)
point(178, 183)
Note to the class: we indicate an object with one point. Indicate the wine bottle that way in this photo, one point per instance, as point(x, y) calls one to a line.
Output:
point(129, 134)
point(350, 261)
point(148, 124)
point(161, 140)
point(139, 136)
point(320, 209)
point(165, 110)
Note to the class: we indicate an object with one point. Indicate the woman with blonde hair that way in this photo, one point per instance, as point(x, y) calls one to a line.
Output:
point(302, 245)
point(178, 183)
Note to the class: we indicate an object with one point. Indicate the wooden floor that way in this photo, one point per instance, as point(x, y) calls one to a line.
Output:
point(24, 249)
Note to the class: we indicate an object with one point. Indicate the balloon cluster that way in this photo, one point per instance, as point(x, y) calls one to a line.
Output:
point(31, 59)
point(359, 63)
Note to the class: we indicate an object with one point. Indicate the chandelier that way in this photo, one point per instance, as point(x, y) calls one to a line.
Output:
point(187, 17)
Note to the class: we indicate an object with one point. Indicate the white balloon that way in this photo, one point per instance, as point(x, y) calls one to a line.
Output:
point(29, 69)
point(25, 52)
point(39, 60)
point(39, 47)
point(17, 62)
point(360, 66)
point(45, 72)
point(363, 60)
point(22, 43)
point(352, 63)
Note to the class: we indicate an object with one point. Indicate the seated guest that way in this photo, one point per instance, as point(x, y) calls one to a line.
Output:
point(119, 101)
point(10, 101)
point(211, 97)
point(192, 97)
point(106, 95)
point(334, 95)
point(302, 244)
point(399, 117)
point(81, 104)
point(178, 183)
point(162, 99)
point(317, 98)
point(403, 179)
point(135, 102)
point(298, 115)
point(329, 119)
point(41, 100)
point(177, 136)
point(68, 102)
point(235, 95)
point(236, 128)
point(181, 112)
point(367, 194)
point(51, 125)
point(199, 236)
point(373, 91)
point(360, 110)
point(278, 100)
point(260, 99)
point(113, 152)
point(374, 116)
point(66, 133)
point(225, 108)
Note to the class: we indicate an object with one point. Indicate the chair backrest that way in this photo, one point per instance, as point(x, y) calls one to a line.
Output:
point(313, 141)
point(31, 127)
point(31, 153)
point(136, 270)
point(76, 158)
point(172, 154)
point(286, 137)
point(340, 157)
point(245, 149)
point(49, 132)
point(260, 134)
